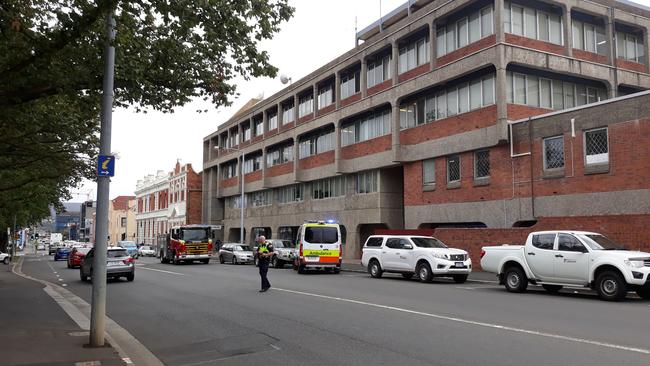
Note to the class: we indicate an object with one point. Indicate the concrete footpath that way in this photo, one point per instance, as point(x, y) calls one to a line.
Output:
point(352, 265)
point(34, 330)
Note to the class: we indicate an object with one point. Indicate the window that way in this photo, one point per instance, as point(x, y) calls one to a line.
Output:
point(261, 198)
point(367, 182)
point(554, 152)
point(235, 201)
point(321, 234)
point(229, 170)
point(350, 84)
point(234, 138)
point(589, 37)
point(246, 132)
point(123, 221)
point(464, 31)
point(327, 188)
point(378, 71)
point(569, 243)
point(253, 164)
point(630, 47)
point(482, 164)
point(453, 169)
point(316, 144)
point(532, 23)
point(279, 155)
point(325, 96)
point(290, 194)
point(272, 121)
point(366, 128)
point(393, 243)
point(413, 54)
point(306, 105)
point(287, 114)
point(596, 146)
point(429, 172)
point(374, 242)
point(259, 127)
point(543, 241)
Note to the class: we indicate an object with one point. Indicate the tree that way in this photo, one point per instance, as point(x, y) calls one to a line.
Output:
point(168, 53)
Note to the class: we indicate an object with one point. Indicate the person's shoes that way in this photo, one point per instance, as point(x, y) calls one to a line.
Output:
point(263, 290)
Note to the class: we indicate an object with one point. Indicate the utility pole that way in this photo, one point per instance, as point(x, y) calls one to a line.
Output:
point(98, 309)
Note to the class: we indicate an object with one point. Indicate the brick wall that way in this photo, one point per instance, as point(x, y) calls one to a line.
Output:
point(286, 127)
point(306, 118)
point(351, 99)
point(534, 43)
point(253, 176)
point(326, 109)
point(318, 160)
point(469, 121)
point(272, 132)
point(369, 147)
point(414, 72)
point(518, 111)
point(230, 182)
point(630, 65)
point(379, 87)
point(281, 169)
point(589, 56)
point(194, 204)
point(467, 50)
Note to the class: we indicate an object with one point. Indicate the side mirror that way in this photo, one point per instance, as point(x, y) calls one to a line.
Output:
point(407, 246)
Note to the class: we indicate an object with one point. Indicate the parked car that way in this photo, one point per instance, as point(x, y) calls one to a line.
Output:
point(423, 256)
point(5, 258)
point(555, 259)
point(61, 253)
point(51, 249)
point(146, 251)
point(76, 256)
point(130, 246)
point(285, 253)
point(118, 264)
point(235, 253)
point(40, 247)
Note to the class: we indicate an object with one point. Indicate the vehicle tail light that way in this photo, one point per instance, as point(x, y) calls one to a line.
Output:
point(300, 250)
point(482, 253)
point(341, 251)
point(129, 260)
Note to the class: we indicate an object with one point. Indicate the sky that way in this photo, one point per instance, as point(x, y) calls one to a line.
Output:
point(319, 32)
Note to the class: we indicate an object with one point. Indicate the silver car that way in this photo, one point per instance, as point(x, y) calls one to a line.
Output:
point(118, 264)
point(235, 253)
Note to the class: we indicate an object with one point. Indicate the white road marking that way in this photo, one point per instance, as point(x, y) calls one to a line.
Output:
point(64, 285)
point(476, 323)
point(60, 279)
point(163, 271)
point(127, 361)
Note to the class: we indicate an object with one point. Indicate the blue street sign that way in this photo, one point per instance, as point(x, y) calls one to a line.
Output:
point(106, 166)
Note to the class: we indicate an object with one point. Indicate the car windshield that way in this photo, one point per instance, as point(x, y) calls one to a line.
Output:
point(127, 244)
point(601, 242)
point(428, 243)
point(116, 253)
point(281, 243)
point(321, 234)
point(63, 249)
point(244, 248)
point(195, 234)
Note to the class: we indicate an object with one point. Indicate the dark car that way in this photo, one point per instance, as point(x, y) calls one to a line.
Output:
point(118, 264)
point(76, 256)
point(61, 253)
point(52, 248)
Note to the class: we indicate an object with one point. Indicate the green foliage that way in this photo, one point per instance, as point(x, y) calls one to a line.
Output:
point(167, 54)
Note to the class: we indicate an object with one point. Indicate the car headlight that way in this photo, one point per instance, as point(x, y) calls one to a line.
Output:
point(440, 256)
point(633, 263)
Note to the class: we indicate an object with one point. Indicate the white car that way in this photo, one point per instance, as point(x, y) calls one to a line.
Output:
point(424, 256)
point(146, 251)
point(5, 258)
point(555, 259)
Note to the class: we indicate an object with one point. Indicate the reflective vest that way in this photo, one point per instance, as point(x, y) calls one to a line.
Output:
point(263, 249)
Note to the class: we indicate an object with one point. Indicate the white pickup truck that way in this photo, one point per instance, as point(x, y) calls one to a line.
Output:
point(424, 256)
point(555, 259)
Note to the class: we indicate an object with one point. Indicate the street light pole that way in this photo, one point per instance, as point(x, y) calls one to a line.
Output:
point(241, 212)
point(98, 308)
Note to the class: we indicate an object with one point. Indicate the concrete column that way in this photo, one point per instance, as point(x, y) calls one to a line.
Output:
point(296, 100)
point(337, 146)
point(646, 47)
point(279, 114)
point(337, 90)
point(240, 133)
point(501, 100)
point(566, 23)
point(264, 167)
point(499, 29)
point(609, 36)
point(433, 49)
point(315, 104)
point(395, 130)
point(296, 173)
point(265, 122)
point(364, 77)
point(395, 52)
point(228, 138)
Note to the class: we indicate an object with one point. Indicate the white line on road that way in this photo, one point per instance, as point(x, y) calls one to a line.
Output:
point(163, 271)
point(476, 323)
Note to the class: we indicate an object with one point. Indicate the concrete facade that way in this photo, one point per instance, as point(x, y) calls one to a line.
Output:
point(511, 69)
point(121, 219)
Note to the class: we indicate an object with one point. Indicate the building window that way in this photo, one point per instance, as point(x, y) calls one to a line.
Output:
point(453, 169)
point(228, 171)
point(246, 133)
point(366, 128)
point(445, 103)
point(554, 152)
point(259, 127)
point(541, 92)
point(261, 198)
point(325, 96)
point(429, 172)
point(290, 194)
point(589, 37)
point(596, 146)
point(306, 105)
point(235, 201)
point(123, 221)
point(328, 188)
point(316, 144)
point(272, 121)
point(350, 84)
point(414, 54)
point(234, 138)
point(379, 71)
point(465, 31)
point(279, 155)
point(287, 114)
point(253, 164)
point(482, 164)
point(630, 47)
point(182, 196)
point(367, 182)
point(532, 23)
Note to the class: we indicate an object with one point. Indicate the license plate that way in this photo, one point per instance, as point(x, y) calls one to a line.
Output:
point(110, 264)
point(460, 264)
point(312, 259)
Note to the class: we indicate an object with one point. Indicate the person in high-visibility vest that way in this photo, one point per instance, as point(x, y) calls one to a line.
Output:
point(264, 254)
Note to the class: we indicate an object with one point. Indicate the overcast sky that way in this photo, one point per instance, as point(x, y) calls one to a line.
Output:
point(319, 32)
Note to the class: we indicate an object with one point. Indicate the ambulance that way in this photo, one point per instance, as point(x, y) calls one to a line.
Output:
point(319, 246)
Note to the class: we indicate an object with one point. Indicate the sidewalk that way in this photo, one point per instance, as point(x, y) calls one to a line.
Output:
point(34, 330)
point(354, 265)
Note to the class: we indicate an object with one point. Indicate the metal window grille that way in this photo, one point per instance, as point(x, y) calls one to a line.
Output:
point(596, 142)
point(453, 168)
point(554, 152)
point(482, 164)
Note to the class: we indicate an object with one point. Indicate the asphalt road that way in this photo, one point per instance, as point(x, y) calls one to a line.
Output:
point(213, 315)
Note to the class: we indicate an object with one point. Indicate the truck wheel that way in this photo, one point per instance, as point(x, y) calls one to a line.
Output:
point(301, 269)
point(644, 293)
point(460, 278)
point(515, 280)
point(554, 289)
point(176, 261)
point(221, 260)
point(374, 268)
point(337, 270)
point(424, 272)
point(610, 286)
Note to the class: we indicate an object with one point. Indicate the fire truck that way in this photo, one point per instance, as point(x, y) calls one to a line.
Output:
point(187, 243)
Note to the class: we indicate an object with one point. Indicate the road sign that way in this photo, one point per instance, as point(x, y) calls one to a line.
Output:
point(106, 166)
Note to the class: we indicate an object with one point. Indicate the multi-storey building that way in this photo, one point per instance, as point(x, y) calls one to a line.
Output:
point(412, 128)
point(121, 219)
point(87, 215)
point(184, 196)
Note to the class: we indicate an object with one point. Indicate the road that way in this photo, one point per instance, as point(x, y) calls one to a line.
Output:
point(213, 315)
